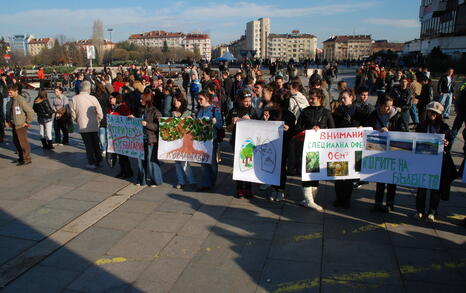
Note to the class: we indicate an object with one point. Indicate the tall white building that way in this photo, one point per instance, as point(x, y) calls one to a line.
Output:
point(189, 42)
point(295, 45)
point(257, 32)
point(20, 43)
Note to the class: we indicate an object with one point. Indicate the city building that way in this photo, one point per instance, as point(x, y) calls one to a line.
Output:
point(20, 43)
point(257, 32)
point(106, 46)
point(443, 24)
point(295, 46)
point(353, 47)
point(219, 50)
point(191, 42)
point(384, 45)
point(237, 47)
point(35, 46)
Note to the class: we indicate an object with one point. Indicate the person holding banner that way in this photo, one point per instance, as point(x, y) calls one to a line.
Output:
point(345, 116)
point(150, 165)
point(118, 107)
point(209, 111)
point(434, 124)
point(243, 110)
point(182, 168)
point(314, 117)
point(385, 118)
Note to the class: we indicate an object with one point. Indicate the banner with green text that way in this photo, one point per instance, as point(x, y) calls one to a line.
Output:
point(332, 154)
point(403, 158)
point(125, 136)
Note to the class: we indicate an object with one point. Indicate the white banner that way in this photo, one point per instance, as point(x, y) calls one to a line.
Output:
point(332, 154)
point(90, 50)
point(258, 151)
point(403, 158)
point(185, 139)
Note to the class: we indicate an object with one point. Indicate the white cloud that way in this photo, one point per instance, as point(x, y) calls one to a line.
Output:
point(399, 23)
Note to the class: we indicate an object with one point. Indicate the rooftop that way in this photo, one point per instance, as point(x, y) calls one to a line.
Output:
point(346, 38)
point(164, 34)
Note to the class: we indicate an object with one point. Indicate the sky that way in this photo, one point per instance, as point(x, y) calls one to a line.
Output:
point(224, 21)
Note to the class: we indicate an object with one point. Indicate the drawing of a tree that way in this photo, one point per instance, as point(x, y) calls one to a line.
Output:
point(247, 153)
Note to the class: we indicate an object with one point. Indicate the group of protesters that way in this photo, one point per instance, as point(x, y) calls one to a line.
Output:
point(226, 98)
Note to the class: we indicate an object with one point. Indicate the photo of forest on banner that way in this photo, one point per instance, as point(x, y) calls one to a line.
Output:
point(125, 136)
point(185, 139)
point(394, 158)
point(333, 154)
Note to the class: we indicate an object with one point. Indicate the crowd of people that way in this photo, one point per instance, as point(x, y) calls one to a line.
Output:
point(406, 102)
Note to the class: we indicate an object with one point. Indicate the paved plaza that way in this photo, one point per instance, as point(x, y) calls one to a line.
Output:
point(67, 229)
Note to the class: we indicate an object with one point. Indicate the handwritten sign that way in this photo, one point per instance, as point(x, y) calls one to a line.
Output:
point(125, 136)
point(403, 158)
point(333, 154)
point(258, 151)
point(185, 139)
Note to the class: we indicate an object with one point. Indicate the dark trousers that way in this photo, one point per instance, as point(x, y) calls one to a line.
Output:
point(405, 121)
point(60, 126)
point(125, 166)
point(2, 125)
point(243, 185)
point(380, 191)
point(344, 190)
point(421, 200)
point(459, 121)
point(91, 142)
point(20, 139)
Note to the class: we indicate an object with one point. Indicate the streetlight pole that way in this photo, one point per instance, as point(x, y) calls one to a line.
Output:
point(110, 30)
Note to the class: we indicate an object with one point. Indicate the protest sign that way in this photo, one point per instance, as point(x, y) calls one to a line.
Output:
point(332, 154)
point(125, 136)
point(258, 151)
point(185, 139)
point(403, 158)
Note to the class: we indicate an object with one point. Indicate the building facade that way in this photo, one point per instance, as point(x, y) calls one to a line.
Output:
point(257, 32)
point(191, 42)
point(295, 46)
point(20, 43)
point(219, 50)
point(353, 47)
point(443, 24)
point(384, 45)
point(35, 46)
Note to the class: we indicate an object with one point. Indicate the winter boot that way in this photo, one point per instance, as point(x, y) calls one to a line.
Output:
point(44, 143)
point(50, 145)
point(309, 196)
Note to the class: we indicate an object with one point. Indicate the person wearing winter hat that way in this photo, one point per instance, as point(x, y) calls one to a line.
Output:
point(434, 124)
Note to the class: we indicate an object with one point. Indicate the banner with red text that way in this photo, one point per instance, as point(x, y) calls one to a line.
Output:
point(125, 136)
point(332, 154)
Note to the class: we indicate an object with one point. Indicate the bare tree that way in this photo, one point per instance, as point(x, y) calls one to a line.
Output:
point(98, 39)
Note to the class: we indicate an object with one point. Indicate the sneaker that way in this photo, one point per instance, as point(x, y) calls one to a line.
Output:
point(418, 216)
point(273, 196)
point(153, 185)
point(431, 217)
point(279, 196)
point(179, 186)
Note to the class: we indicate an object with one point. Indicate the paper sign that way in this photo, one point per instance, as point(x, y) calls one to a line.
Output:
point(125, 136)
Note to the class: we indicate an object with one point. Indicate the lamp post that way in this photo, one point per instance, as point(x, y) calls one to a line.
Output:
point(110, 30)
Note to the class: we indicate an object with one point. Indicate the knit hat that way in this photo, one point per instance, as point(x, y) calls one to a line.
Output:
point(435, 107)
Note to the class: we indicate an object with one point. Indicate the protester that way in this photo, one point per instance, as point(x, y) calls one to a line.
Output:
point(194, 90)
point(402, 100)
point(314, 117)
point(385, 118)
point(20, 117)
point(426, 96)
point(44, 113)
point(182, 168)
point(297, 101)
point(435, 124)
point(60, 105)
point(207, 110)
point(86, 111)
point(445, 88)
point(149, 167)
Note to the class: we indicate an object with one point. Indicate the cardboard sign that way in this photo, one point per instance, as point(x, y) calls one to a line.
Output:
point(125, 136)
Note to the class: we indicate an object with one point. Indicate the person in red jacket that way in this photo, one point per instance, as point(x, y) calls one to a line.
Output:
point(41, 76)
point(118, 107)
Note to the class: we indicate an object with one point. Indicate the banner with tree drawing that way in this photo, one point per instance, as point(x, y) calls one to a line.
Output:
point(258, 151)
point(403, 158)
point(185, 139)
point(125, 136)
point(332, 154)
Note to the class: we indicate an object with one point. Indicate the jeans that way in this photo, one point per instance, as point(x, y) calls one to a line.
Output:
point(149, 168)
point(183, 170)
point(380, 190)
point(421, 201)
point(61, 125)
point(414, 114)
point(45, 130)
point(445, 100)
point(209, 171)
point(91, 142)
point(103, 139)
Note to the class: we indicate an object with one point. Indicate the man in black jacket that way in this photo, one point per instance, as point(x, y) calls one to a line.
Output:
point(445, 88)
point(402, 100)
